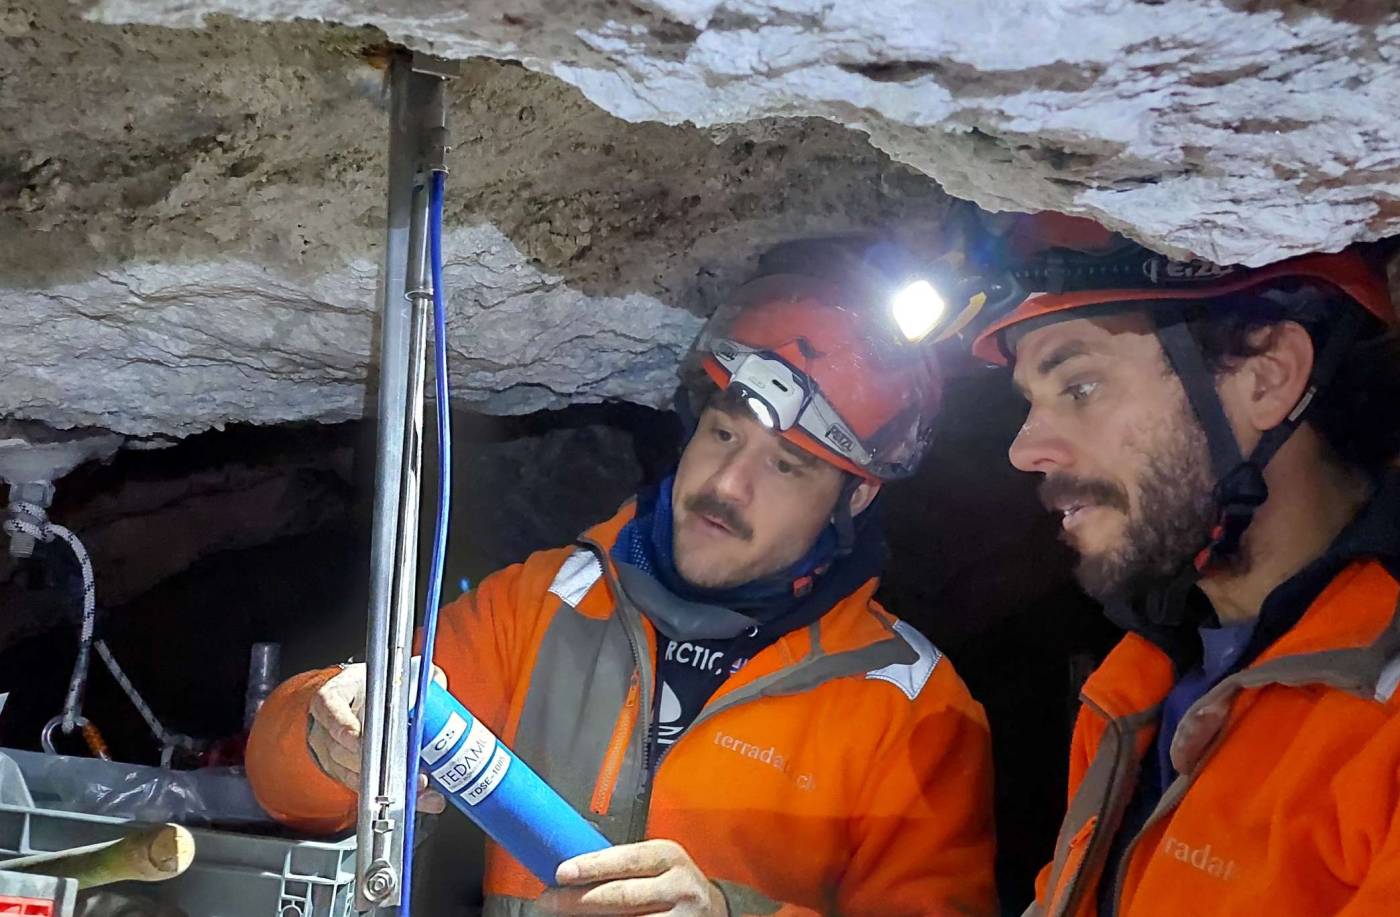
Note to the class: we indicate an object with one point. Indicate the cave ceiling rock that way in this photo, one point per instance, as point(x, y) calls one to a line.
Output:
point(1238, 130)
point(154, 348)
point(194, 242)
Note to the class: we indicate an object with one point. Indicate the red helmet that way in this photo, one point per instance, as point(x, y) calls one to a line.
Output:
point(1144, 278)
point(829, 369)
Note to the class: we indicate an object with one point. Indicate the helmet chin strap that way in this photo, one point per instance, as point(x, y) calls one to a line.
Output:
point(1240, 488)
point(841, 517)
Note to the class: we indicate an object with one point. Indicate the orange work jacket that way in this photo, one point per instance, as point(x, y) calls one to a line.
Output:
point(844, 769)
point(1288, 799)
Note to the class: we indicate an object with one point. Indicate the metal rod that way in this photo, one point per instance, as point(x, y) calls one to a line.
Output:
point(387, 833)
point(420, 275)
point(381, 802)
point(393, 770)
point(417, 132)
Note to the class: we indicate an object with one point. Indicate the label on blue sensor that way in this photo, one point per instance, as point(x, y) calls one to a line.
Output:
point(495, 773)
point(444, 741)
point(467, 763)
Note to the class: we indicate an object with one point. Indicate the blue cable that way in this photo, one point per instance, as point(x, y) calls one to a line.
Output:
point(430, 612)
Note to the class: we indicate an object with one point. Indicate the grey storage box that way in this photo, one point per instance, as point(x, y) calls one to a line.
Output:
point(233, 875)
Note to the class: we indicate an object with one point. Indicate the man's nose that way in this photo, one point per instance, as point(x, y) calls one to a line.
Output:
point(1039, 448)
point(734, 481)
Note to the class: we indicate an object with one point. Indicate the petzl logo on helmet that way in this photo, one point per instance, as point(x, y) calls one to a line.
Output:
point(1164, 270)
point(842, 439)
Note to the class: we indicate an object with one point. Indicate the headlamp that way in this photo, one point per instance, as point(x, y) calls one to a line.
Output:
point(918, 309)
point(782, 398)
point(762, 411)
point(942, 307)
point(771, 390)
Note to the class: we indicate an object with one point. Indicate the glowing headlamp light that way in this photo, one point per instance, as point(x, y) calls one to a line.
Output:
point(922, 310)
point(918, 309)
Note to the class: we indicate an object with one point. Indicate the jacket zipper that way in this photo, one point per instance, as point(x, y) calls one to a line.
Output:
point(617, 749)
point(649, 767)
point(641, 810)
point(1075, 854)
point(633, 629)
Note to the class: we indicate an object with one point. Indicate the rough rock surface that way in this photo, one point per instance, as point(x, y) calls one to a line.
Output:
point(192, 221)
point(191, 191)
point(155, 347)
point(1240, 130)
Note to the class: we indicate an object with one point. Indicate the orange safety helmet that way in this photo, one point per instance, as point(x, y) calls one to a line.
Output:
point(826, 366)
point(1160, 280)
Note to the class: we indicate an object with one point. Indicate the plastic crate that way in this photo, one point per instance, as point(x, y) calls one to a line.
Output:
point(233, 875)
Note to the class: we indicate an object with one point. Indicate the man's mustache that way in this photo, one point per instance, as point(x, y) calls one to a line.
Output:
point(707, 504)
point(1059, 490)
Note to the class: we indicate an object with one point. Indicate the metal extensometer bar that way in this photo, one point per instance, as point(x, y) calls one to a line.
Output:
point(417, 146)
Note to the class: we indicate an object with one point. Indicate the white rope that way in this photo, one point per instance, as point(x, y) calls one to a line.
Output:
point(46, 531)
point(167, 738)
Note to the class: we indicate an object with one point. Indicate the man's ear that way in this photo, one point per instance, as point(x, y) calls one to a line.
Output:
point(1267, 386)
point(864, 494)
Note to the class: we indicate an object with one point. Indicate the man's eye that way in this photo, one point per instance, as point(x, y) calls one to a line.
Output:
point(723, 435)
point(784, 467)
point(1080, 391)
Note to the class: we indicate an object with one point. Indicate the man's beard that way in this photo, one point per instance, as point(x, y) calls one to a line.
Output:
point(1173, 520)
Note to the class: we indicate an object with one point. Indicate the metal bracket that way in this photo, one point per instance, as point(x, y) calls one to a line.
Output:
point(439, 67)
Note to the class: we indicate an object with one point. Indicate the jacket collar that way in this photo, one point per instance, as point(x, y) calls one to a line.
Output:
point(1373, 535)
point(1345, 599)
point(849, 624)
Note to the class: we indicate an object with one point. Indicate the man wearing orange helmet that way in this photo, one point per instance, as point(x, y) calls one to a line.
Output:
point(1219, 443)
point(706, 676)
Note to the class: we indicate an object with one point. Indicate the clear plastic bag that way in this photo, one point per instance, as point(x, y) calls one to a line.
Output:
point(201, 798)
